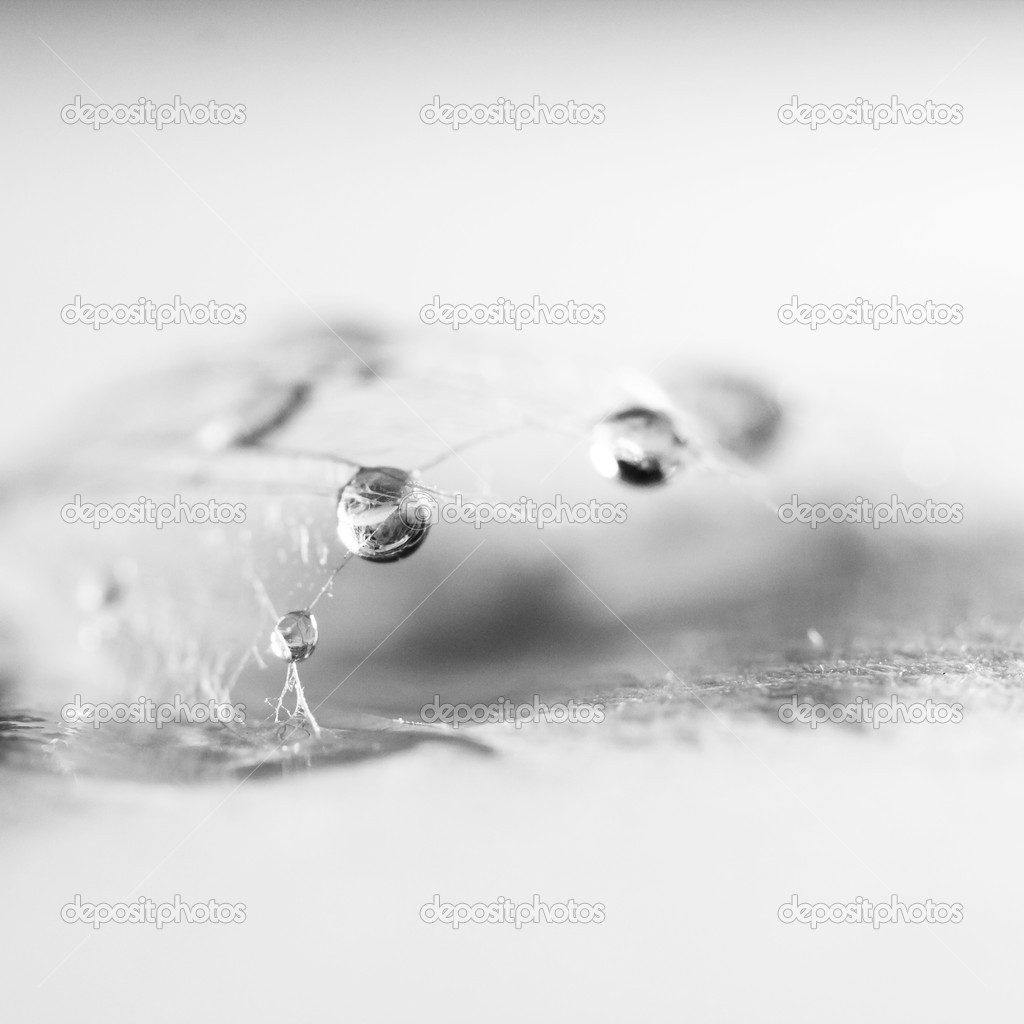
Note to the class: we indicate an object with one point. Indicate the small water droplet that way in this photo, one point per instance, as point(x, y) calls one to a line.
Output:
point(105, 588)
point(377, 515)
point(637, 446)
point(96, 592)
point(294, 637)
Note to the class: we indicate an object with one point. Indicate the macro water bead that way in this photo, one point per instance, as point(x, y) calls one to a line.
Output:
point(294, 637)
point(637, 446)
point(374, 520)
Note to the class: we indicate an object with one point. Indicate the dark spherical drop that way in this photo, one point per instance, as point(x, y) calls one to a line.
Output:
point(376, 515)
point(637, 446)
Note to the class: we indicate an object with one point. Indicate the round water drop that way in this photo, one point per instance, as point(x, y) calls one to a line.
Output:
point(637, 446)
point(378, 514)
point(294, 637)
point(742, 417)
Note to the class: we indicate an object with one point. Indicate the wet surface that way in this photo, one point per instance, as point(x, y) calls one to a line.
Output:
point(191, 753)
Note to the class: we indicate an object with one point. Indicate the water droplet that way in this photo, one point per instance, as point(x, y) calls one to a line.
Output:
point(96, 592)
point(376, 515)
point(106, 588)
point(741, 417)
point(637, 446)
point(294, 637)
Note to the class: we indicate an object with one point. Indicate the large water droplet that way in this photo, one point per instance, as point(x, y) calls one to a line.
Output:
point(295, 636)
point(637, 446)
point(376, 515)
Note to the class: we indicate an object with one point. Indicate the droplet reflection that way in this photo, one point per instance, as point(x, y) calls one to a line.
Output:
point(373, 515)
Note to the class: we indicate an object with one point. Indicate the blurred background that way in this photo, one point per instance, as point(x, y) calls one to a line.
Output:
point(692, 214)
